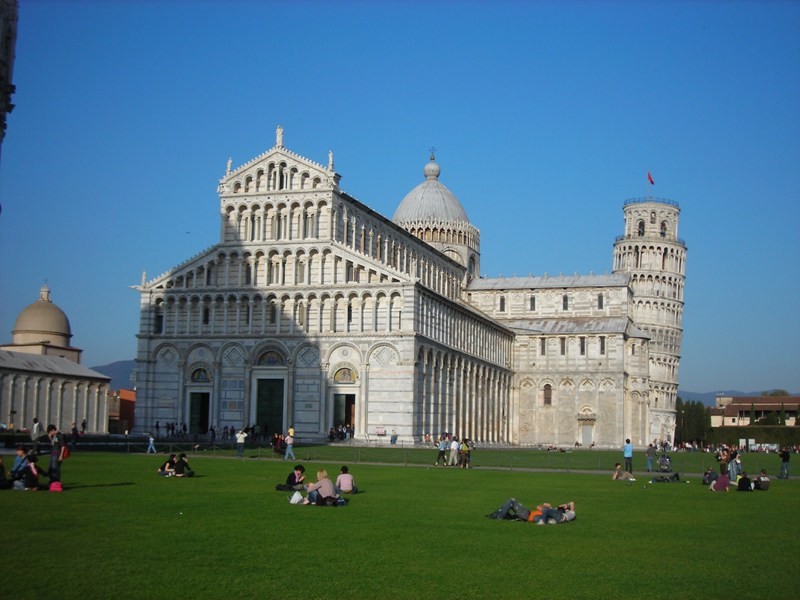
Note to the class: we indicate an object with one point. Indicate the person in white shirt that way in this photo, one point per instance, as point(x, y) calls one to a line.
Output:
point(454, 446)
point(241, 436)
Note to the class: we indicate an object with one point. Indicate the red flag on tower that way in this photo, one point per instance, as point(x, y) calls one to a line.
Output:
point(650, 178)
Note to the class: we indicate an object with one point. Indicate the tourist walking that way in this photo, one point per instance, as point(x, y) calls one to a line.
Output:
point(289, 439)
point(454, 446)
point(36, 433)
point(442, 447)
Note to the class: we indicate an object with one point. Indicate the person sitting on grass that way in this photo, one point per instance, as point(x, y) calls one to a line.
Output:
point(761, 482)
point(20, 462)
point(168, 468)
point(721, 484)
point(319, 492)
point(182, 468)
point(5, 484)
point(620, 475)
point(345, 482)
point(29, 479)
point(710, 476)
point(294, 481)
point(743, 483)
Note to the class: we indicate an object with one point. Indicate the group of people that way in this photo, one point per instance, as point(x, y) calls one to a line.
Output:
point(743, 483)
point(25, 471)
point(176, 466)
point(460, 451)
point(323, 492)
point(543, 514)
point(341, 433)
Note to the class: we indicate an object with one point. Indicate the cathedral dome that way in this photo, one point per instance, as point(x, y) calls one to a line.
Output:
point(430, 201)
point(42, 320)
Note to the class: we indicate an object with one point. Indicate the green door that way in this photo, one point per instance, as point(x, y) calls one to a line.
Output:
point(344, 409)
point(198, 412)
point(269, 406)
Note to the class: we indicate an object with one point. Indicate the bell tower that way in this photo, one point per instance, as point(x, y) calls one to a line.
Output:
point(655, 257)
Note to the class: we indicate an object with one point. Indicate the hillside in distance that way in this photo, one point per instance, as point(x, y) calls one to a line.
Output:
point(120, 373)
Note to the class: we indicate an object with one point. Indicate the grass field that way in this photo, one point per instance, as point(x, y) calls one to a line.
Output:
point(120, 531)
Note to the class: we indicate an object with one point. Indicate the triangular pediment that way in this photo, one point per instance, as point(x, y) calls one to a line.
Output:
point(279, 170)
point(192, 275)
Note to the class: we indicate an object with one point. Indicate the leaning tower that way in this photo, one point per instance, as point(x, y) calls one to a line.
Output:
point(654, 256)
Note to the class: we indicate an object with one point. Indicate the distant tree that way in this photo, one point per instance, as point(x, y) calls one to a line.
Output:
point(775, 393)
point(783, 415)
point(771, 418)
point(693, 420)
point(752, 413)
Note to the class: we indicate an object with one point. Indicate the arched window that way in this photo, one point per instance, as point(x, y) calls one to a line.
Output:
point(565, 302)
point(502, 303)
point(663, 229)
point(652, 218)
point(533, 303)
point(600, 301)
point(641, 227)
point(548, 395)
point(158, 323)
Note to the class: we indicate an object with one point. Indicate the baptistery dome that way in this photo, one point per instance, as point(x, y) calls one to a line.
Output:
point(42, 321)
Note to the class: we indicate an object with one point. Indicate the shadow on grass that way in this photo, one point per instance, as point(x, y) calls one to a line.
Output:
point(76, 486)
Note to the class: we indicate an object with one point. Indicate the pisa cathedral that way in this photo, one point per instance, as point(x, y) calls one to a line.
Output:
point(313, 311)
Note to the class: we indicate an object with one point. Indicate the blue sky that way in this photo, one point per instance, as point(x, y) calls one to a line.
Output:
point(546, 117)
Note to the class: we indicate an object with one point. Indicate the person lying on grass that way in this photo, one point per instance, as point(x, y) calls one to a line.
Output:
point(544, 513)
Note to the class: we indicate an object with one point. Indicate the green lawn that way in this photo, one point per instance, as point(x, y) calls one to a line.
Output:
point(120, 531)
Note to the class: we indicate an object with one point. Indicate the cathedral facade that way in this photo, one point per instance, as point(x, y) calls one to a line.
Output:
point(313, 311)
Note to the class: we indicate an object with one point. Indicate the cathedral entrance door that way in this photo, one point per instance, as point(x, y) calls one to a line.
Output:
point(198, 411)
point(344, 410)
point(269, 406)
point(586, 437)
